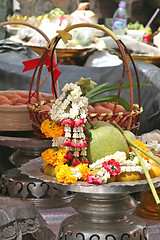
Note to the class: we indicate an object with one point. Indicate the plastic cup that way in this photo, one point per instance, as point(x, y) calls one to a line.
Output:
point(136, 34)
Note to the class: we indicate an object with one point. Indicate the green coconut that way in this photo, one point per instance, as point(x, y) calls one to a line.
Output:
point(105, 140)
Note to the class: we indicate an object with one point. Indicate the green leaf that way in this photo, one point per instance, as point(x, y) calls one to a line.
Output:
point(152, 187)
point(105, 88)
point(97, 90)
point(111, 98)
point(125, 86)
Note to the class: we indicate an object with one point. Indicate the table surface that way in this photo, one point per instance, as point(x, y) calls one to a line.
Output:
point(55, 216)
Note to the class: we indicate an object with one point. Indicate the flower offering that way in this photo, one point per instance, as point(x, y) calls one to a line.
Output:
point(69, 158)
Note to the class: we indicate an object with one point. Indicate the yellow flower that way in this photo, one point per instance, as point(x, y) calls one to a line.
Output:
point(54, 157)
point(64, 175)
point(143, 146)
point(58, 167)
point(51, 129)
point(84, 170)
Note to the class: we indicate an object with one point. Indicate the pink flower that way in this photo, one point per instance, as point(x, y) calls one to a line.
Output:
point(64, 122)
point(74, 143)
point(67, 121)
point(75, 162)
point(113, 167)
point(92, 179)
point(83, 143)
point(86, 161)
point(67, 142)
point(97, 181)
point(86, 138)
point(79, 122)
point(68, 155)
point(83, 159)
point(63, 134)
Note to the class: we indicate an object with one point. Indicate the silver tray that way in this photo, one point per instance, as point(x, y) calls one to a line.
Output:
point(33, 169)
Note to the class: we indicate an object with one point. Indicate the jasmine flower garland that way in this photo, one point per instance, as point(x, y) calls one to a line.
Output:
point(71, 104)
point(111, 165)
point(71, 110)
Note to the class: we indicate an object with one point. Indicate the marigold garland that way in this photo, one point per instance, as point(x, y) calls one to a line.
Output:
point(54, 157)
point(64, 175)
point(51, 129)
point(144, 147)
point(84, 170)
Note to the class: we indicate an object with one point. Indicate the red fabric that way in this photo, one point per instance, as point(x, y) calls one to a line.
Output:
point(31, 64)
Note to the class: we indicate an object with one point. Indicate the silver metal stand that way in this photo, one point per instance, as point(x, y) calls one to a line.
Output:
point(104, 211)
point(103, 216)
point(19, 186)
point(16, 185)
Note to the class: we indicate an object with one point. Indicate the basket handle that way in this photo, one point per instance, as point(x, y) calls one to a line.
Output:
point(54, 42)
point(122, 47)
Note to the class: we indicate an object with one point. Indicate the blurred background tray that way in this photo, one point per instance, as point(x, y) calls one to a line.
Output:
point(66, 56)
point(140, 58)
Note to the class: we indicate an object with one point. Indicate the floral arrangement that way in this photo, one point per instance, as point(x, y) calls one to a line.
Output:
point(69, 116)
point(68, 154)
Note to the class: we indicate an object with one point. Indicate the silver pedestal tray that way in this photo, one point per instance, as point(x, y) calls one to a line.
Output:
point(19, 186)
point(16, 185)
point(104, 211)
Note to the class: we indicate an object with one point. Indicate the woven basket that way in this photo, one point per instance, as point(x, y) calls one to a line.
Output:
point(127, 120)
point(17, 118)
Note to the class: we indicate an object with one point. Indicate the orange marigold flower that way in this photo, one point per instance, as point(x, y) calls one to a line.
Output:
point(54, 157)
point(84, 170)
point(64, 175)
point(144, 147)
point(51, 129)
point(58, 167)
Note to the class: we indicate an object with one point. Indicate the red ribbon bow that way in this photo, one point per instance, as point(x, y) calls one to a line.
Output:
point(31, 64)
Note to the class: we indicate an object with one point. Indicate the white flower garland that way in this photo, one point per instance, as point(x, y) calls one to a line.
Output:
point(127, 165)
point(71, 105)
